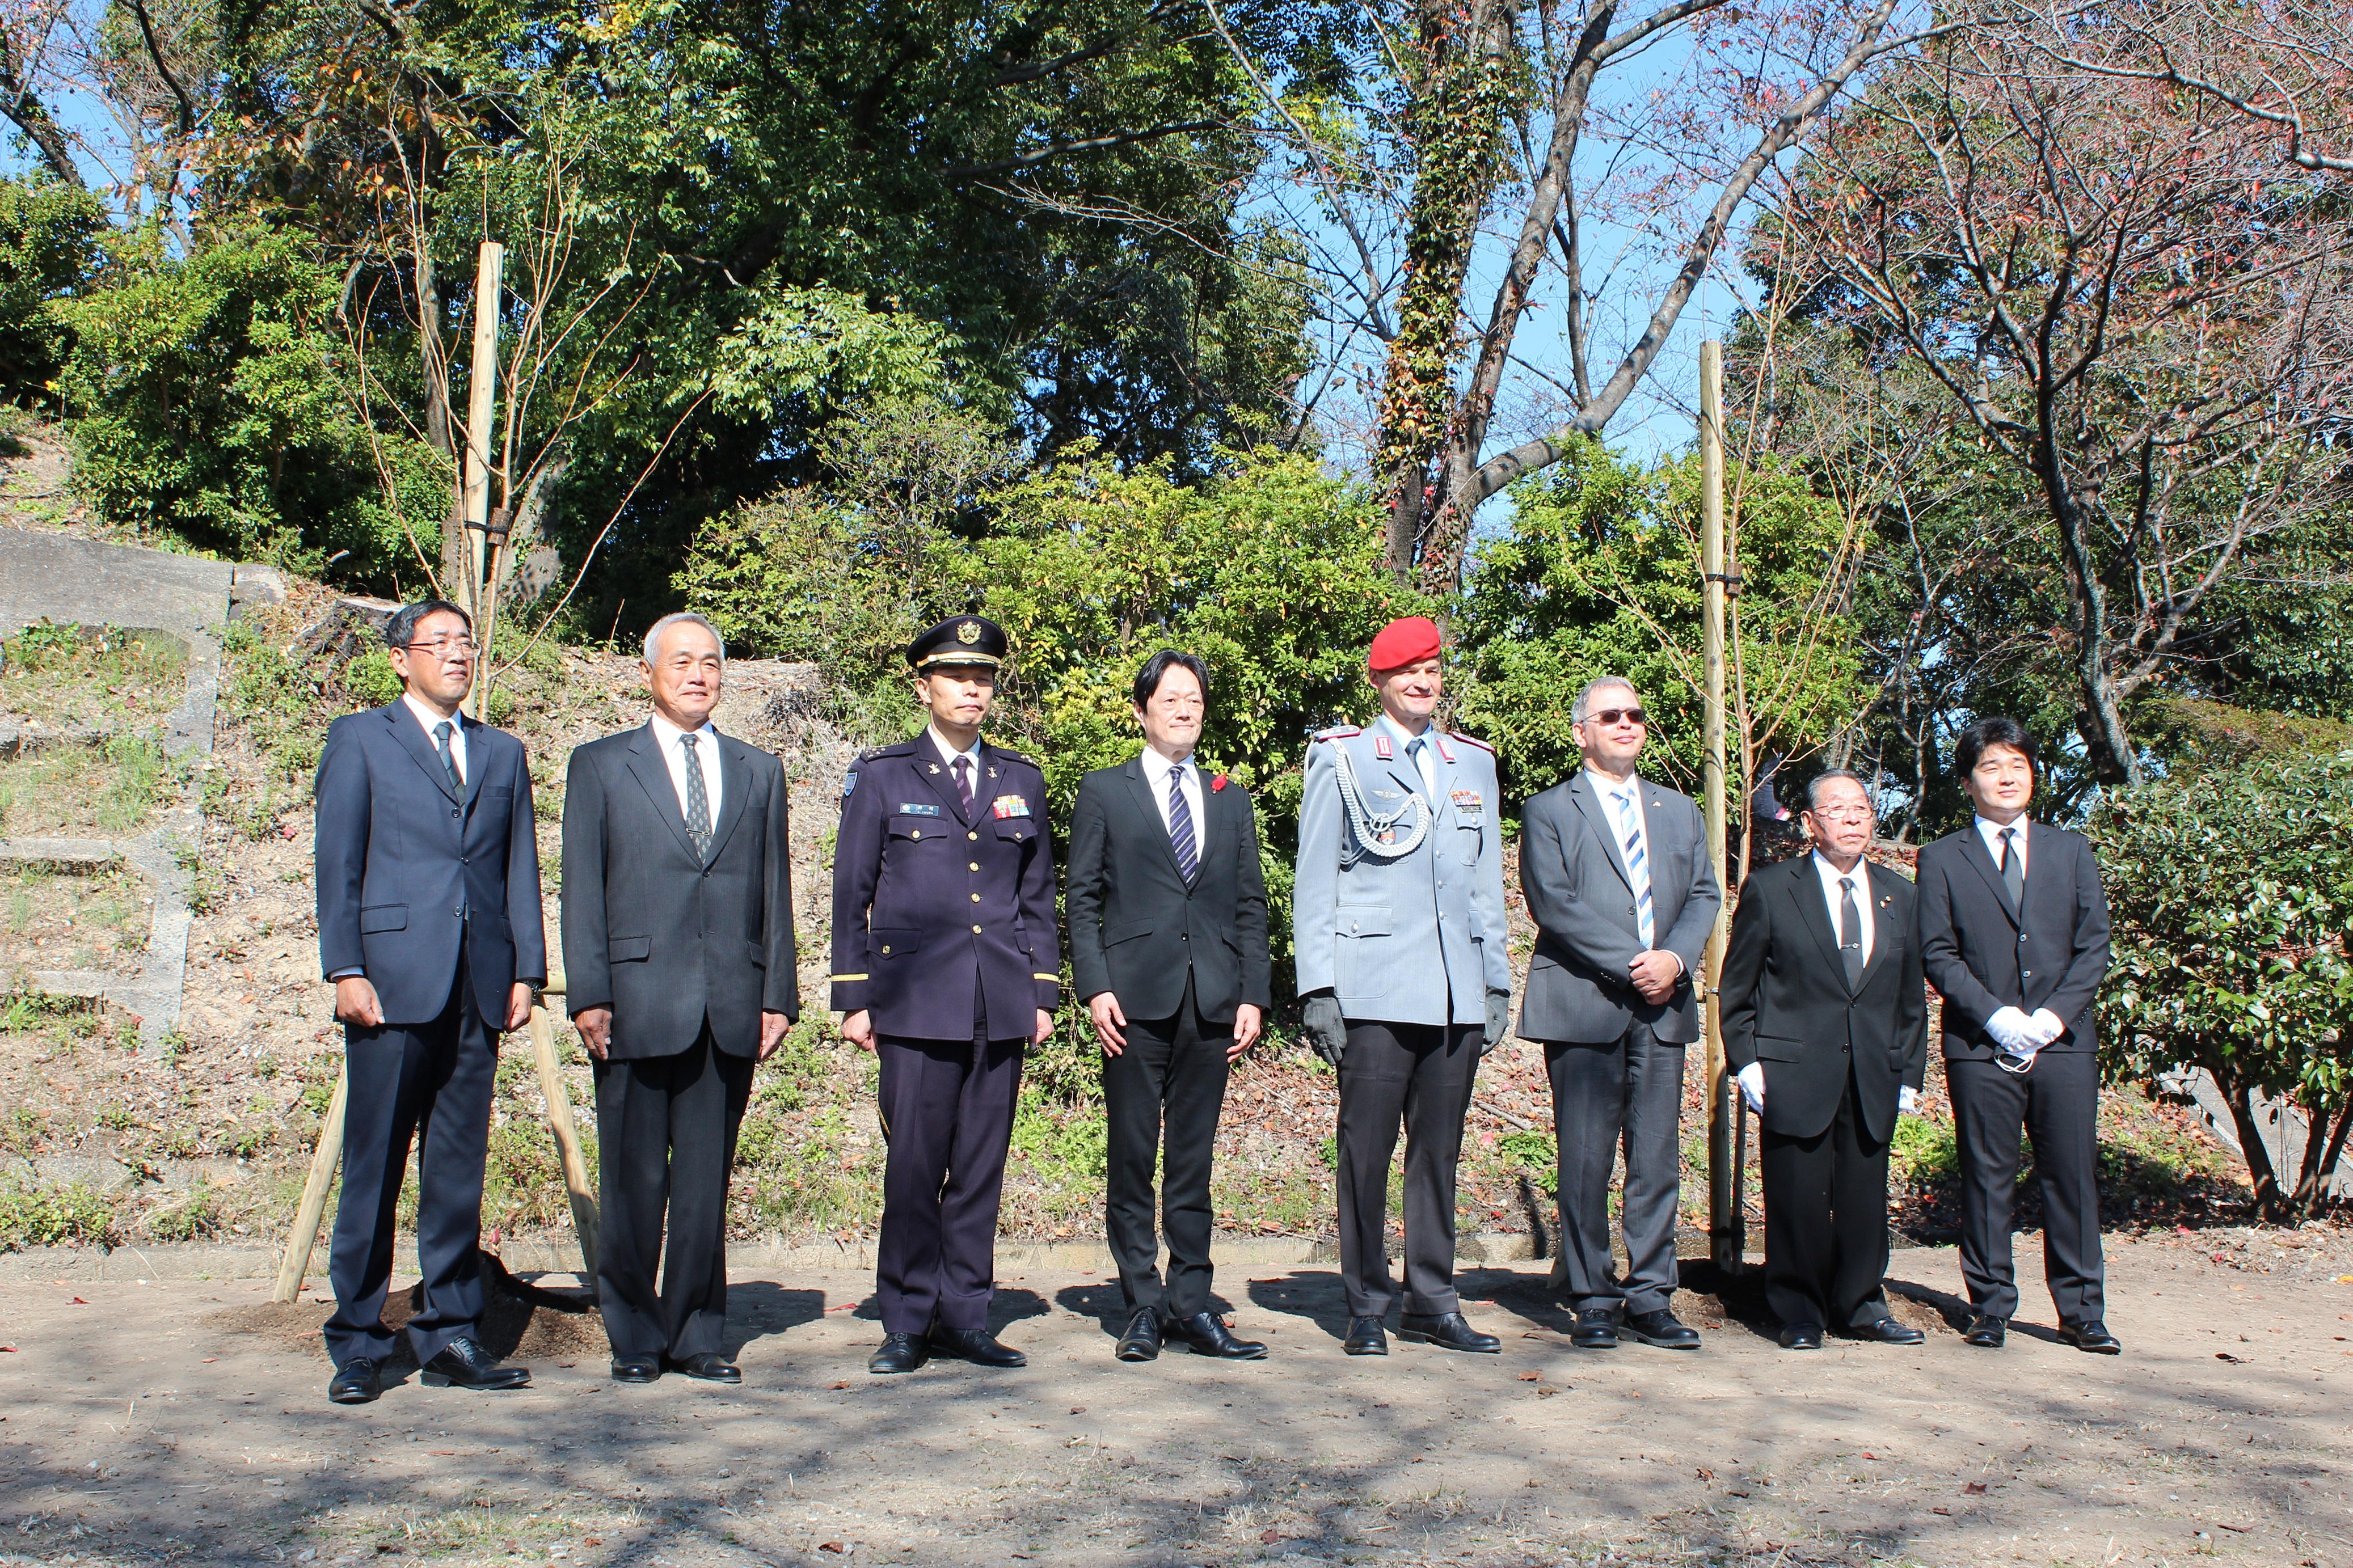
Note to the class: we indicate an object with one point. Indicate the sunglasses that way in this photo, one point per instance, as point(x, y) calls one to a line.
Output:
point(1611, 716)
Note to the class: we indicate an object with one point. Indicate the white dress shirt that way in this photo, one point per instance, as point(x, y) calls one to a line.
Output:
point(1156, 769)
point(1611, 795)
point(706, 753)
point(1991, 832)
point(1861, 877)
point(431, 721)
point(1426, 757)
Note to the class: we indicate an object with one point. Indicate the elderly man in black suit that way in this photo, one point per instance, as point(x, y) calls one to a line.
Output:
point(1825, 1020)
point(1168, 908)
point(427, 872)
point(2014, 934)
point(677, 948)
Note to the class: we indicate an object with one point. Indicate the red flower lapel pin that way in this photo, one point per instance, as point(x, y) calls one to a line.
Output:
point(1216, 783)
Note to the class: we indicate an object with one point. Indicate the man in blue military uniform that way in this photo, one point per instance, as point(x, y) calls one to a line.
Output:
point(946, 965)
point(1403, 974)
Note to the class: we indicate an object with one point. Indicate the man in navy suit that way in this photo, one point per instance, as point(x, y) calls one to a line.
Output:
point(428, 870)
point(946, 965)
point(1168, 947)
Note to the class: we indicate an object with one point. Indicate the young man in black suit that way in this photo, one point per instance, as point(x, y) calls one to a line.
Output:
point(678, 942)
point(1826, 1022)
point(2014, 935)
point(427, 870)
point(1168, 947)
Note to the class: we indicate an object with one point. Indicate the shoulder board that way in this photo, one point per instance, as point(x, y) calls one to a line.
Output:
point(1338, 732)
point(1013, 757)
point(903, 749)
point(1472, 740)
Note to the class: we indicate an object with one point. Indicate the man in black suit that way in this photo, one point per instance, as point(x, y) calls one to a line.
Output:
point(427, 870)
point(1168, 908)
point(677, 947)
point(1826, 1021)
point(2014, 935)
point(946, 965)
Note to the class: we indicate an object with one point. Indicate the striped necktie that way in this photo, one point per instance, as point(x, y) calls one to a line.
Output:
point(1180, 825)
point(1637, 864)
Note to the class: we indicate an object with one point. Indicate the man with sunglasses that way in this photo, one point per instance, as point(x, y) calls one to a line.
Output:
point(427, 872)
point(2015, 937)
point(1617, 876)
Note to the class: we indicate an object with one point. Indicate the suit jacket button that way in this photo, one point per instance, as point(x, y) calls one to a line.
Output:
point(2026, 974)
point(453, 811)
point(2021, 938)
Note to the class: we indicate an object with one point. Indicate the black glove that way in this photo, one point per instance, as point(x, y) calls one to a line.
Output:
point(1499, 1019)
point(1319, 1021)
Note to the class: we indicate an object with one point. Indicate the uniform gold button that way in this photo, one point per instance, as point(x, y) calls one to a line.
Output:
point(886, 950)
point(917, 834)
point(976, 931)
point(976, 864)
point(976, 897)
point(972, 835)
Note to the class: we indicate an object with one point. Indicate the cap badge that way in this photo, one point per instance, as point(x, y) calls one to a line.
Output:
point(968, 631)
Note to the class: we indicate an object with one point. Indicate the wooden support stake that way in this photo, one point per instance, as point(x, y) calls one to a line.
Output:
point(482, 411)
point(1726, 1241)
point(567, 1137)
point(330, 1154)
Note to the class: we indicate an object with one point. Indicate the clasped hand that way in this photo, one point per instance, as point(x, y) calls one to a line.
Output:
point(2020, 1035)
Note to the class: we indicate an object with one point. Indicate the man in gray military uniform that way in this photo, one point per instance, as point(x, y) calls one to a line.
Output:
point(1403, 974)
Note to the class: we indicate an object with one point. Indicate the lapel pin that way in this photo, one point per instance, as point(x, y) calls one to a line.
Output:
point(935, 767)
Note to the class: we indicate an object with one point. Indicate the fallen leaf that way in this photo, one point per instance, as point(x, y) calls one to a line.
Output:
point(594, 1540)
point(2242, 1529)
point(1705, 1474)
point(1269, 1537)
point(840, 1385)
point(1974, 1488)
point(831, 1546)
point(1546, 1391)
point(11, 1350)
point(1530, 1377)
point(208, 1360)
point(1940, 1508)
point(2233, 1360)
point(77, 1301)
point(1078, 1410)
point(1871, 1455)
point(443, 1453)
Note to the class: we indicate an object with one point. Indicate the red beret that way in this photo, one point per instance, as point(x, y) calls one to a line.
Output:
point(1404, 642)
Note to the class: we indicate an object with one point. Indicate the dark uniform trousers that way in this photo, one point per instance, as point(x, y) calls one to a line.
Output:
point(1162, 1095)
point(433, 1082)
point(1826, 1222)
point(947, 1112)
point(2055, 1104)
point(1629, 1089)
point(1421, 1074)
point(666, 1129)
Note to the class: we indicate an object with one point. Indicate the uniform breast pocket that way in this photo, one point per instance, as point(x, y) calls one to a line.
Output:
point(893, 945)
point(917, 829)
point(1363, 967)
point(1016, 829)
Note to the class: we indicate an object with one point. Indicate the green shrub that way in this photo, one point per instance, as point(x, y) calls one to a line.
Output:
point(1923, 1153)
point(51, 1215)
point(49, 247)
point(213, 404)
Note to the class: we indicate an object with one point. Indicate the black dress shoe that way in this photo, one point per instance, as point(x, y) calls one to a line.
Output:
point(635, 1368)
point(1887, 1332)
point(1661, 1329)
point(464, 1363)
point(1596, 1330)
point(1365, 1338)
point(1987, 1333)
point(1801, 1336)
point(1449, 1331)
point(977, 1346)
point(2091, 1334)
point(1207, 1334)
point(900, 1352)
point(710, 1366)
point(356, 1382)
point(1142, 1340)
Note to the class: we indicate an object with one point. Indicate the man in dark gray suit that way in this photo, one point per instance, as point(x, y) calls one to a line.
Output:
point(428, 870)
point(2015, 937)
point(1168, 910)
point(1618, 879)
point(678, 946)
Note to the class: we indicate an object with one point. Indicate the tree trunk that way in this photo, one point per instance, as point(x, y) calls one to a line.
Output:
point(2252, 1147)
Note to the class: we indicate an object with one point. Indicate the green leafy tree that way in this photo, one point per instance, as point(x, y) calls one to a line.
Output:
point(49, 247)
point(2231, 890)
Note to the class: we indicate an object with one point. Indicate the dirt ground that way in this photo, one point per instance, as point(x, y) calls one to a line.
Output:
point(188, 1424)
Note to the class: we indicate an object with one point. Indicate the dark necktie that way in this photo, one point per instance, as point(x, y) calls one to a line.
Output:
point(1180, 825)
point(698, 799)
point(448, 762)
point(1413, 758)
point(1849, 934)
point(2013, 873)
point(962, 771)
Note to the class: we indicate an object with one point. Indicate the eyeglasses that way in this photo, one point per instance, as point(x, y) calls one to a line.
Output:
point(1843, 814)
point(1611, 716)
point(443, 649)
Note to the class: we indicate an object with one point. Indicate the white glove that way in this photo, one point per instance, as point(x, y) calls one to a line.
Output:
point(2013, 1031)
point(2046, 1027)
point(1751, 1085)
point(1907, 1100)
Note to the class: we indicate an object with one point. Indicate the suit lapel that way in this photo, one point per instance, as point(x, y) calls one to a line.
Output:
point(478, 757)
point(1888, 934)
point(1142, 790)
point(1975, 852)
point(735, 783)
point(1806, 886)
point(412, 736)
point(1588, 801)
point(652, 774)
point(933, 771)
